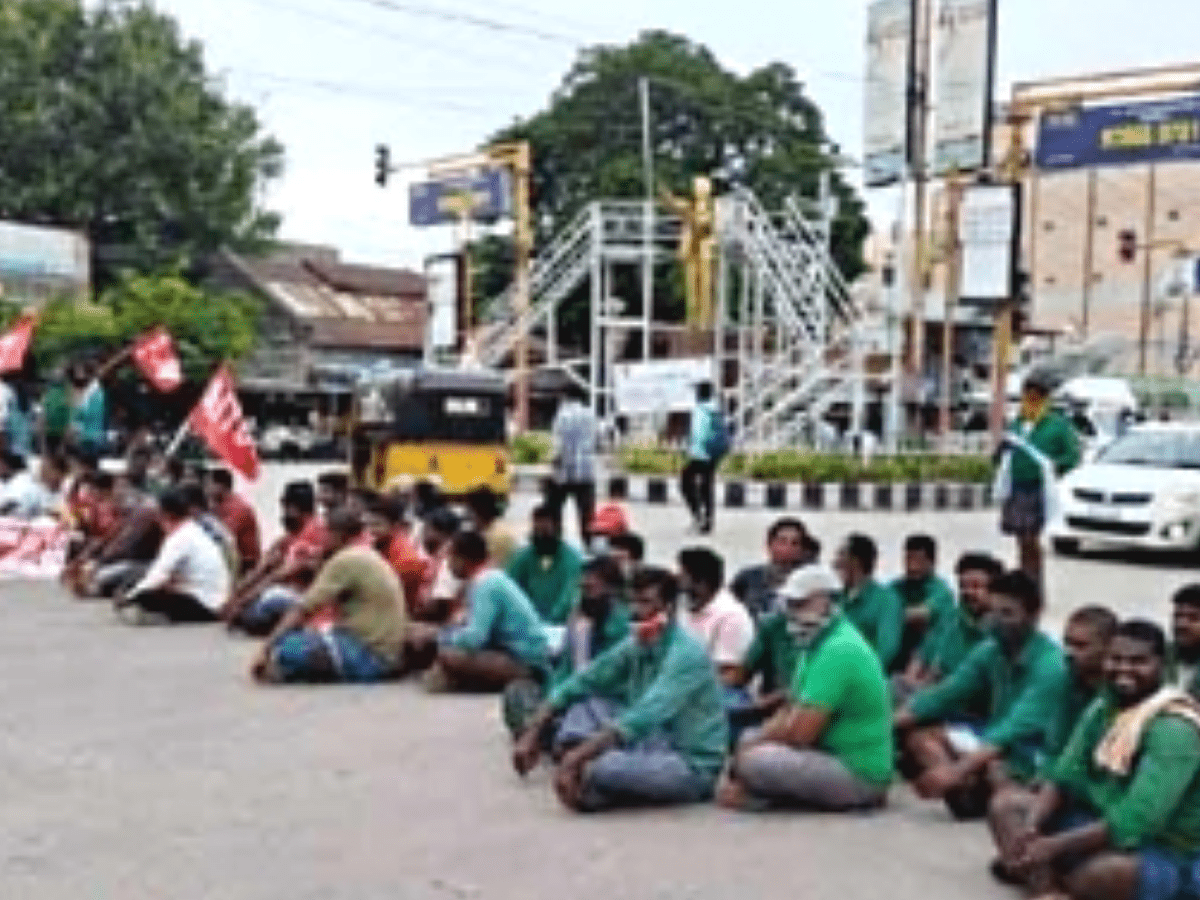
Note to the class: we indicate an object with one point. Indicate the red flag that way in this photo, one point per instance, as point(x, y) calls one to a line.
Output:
point(155, 356)
point(14, 343)
point(218, 419)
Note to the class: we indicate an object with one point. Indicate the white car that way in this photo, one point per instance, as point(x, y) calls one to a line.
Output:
point(1141, 491)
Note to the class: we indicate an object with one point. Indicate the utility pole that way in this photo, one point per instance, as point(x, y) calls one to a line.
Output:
point(1089, 252)
point(953, 250)
point(919, 129)
point(1147, 267)
point(648, 224)
point(1014, 169)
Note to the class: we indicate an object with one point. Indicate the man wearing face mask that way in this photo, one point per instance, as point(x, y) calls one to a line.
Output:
point(713, 616)
point(830, 747)
point(598, 622)
point(1120, 815)
point(1040, 447)
point(1185, 639)
point(547, 568)
point(644, 723)
point(262, 597)
point(629, 550)
point(1022, 675)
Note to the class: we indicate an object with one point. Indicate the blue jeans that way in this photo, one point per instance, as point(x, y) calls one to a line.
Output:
point(261, 616)
point(648, 772)
point(331, 654)
point(1163, 875)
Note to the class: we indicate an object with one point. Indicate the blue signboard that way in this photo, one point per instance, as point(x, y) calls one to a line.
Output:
point(483, 196)
point(1130, 133)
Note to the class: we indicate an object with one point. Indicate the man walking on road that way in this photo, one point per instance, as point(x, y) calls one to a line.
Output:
point(574, 431)
point(696, 482)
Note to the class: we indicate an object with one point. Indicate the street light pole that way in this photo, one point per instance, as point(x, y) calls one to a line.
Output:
point(648, 223)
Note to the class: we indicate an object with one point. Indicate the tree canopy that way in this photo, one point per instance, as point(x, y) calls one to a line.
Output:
point(760, 130)
point(113, 126)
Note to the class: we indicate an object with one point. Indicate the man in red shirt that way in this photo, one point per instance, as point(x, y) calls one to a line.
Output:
point(237, 515)
point(390, 536)
point(262, 597)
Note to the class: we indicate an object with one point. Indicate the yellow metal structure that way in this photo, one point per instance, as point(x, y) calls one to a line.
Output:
point(445, 426)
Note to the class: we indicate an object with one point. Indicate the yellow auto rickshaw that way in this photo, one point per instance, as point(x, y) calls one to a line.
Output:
point(444, 425)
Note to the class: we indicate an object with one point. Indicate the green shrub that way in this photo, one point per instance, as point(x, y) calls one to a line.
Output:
point(532, 449)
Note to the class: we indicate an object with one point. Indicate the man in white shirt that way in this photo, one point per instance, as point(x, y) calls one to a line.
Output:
point(189, 580)
point(574, 431)
point(714, 616)
point(29, 496)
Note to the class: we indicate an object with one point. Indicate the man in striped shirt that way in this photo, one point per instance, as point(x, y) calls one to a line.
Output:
point(574, 433)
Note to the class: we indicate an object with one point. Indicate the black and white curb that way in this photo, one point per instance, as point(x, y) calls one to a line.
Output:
point(833, 497)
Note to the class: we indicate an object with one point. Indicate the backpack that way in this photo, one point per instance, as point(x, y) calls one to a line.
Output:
point(720, 441)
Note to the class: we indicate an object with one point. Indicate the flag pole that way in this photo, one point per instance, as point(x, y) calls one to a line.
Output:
point(178, 439)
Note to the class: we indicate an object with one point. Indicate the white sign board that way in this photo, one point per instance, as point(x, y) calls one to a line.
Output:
point(442, 285)
point(667, 385)
point(988, 233)
point(37, 253)
point(889, 50)
point(964, 34)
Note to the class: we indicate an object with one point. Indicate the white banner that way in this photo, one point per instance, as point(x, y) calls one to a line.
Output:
point(988, 232)
point(962, 83)
point(442, 279)
point(660, 386)
point(32, 549)
point(885, 129)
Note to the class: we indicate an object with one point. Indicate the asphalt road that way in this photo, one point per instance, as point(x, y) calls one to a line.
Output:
point(142, 763)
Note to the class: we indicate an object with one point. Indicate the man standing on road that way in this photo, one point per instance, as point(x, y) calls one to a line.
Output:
point(755, 586)
point(1185, 639)
point(1040, 447)
point(1022, 675)
point(574, 432)
point(643, 724)
point(1120, 816)
point(697, 481)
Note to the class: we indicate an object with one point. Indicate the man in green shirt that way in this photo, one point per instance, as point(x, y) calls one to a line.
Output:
point(1022, 675)
point(547, 569)
point(499, 638)
point(1119, 818)
point(1024, 477)
point(642, 724)
point(928, 600)
point(830, 747)
point(872, 607)
point(1185, 639)
point(947, 645)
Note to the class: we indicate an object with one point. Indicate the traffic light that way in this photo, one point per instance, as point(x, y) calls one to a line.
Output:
point(1127, 245)
point(383, 164)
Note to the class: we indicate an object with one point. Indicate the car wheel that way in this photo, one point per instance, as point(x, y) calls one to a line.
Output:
point(1065, 546)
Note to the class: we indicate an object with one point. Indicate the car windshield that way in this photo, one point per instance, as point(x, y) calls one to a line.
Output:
point(1160, 449)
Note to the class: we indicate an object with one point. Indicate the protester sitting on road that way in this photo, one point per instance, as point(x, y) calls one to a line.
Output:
point(483, 509)
point(947, 645)
point(714, 617)
point(756, 585)
point(261, 598)
point(499, 638)
point(1023, 676)
point(95, 516)
point(644, 723)
point(221, 536)
point(1086, 640)
point(629, 550)
point(238, 516)
point(609, 522)
point(189, 578)
point(441, 592)
point(333, 490)
point(597, 623)
point(1120, 815)
point(427, 496)
point(928, 600)
point(365, 639)
point(27, 495)
point(873, 608)
point(116, 563)
point(88, 416)
point(384, 519)
point(829, 747)
point(547, 569)
point(1184, 670)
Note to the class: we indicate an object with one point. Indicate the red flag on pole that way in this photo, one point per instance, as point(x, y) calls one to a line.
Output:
point(154, 353)
point(14, 343)
point(218, 419)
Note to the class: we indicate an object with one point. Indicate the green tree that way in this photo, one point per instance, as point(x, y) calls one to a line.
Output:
point(112, 125)
point(760, 130)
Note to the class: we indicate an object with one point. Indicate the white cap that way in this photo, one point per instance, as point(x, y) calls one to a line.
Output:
point(809, 580)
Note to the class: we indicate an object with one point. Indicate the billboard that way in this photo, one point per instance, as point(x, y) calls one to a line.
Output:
point(989, 234)
point(889, 67)
point(483, 196)
point(1118, 135)
point(660, 386)
point(35, 254)
point(964, 35)
point(443, 277)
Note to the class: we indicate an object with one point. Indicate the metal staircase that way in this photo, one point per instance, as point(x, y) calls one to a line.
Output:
point(795, 306)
